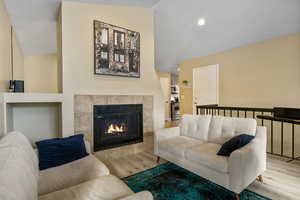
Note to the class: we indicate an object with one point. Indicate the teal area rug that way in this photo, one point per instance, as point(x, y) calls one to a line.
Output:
point(171, 182)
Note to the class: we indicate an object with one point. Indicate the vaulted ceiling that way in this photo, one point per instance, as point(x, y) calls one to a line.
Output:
point(229, 24)
point(34, 21)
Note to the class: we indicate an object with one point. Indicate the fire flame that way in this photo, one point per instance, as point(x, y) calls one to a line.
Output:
point(115, 129)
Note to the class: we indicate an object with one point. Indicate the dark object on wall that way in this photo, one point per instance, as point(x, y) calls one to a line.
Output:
point(291, 113)
point(116, 51)
point(16, 86)
point(11, 86)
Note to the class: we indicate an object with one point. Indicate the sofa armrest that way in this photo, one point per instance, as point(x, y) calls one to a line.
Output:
point(87, 146)
point(246, 163)
point(144, 195)
point(162, 134)
point(71, 174)
point(165, 133)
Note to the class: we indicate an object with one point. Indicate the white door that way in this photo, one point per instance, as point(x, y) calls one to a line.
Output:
point(165, 85)
point(205, 86)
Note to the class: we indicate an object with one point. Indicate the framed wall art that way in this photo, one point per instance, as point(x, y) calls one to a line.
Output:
point(116, 51)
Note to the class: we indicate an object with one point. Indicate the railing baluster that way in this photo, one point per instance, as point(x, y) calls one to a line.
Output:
point(219, 110)
point(272, 137)
point(293, 141)
point(281, 138)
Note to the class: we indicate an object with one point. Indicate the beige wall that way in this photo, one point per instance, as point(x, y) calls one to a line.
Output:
point(78, 60)
point(41, 73)
point(59, 53)
point(265, 74)
point(167, 106)
point(18, 56)
point(5, 52)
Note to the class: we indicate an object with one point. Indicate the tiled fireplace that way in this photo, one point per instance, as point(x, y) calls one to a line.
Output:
point(117, 125)
point(84, 123)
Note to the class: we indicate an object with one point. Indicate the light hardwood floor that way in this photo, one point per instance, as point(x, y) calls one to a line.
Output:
point(281, 180)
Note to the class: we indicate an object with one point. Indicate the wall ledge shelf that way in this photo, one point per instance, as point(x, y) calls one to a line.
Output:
point(31, 114)
point(30, 98)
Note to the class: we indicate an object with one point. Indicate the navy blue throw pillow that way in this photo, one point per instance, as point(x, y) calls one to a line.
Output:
point(60, 151)
point(234, 144)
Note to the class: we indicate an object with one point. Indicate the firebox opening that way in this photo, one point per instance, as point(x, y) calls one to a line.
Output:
point(116, 129)
point(117, 125)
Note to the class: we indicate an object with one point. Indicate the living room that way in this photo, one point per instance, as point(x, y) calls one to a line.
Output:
point(84, 110)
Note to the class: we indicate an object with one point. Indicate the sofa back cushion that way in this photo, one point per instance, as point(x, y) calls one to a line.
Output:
point(18, 178)
point(20, 141)
point(223, 128)
point(195, 126)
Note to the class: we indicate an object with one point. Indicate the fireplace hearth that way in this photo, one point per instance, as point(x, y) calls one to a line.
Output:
point(117, 125)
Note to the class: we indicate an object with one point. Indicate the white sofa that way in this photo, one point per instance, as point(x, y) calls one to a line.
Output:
point(195, 143)
point(84, 179)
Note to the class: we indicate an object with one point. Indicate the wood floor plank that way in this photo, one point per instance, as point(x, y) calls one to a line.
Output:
point(281, 179)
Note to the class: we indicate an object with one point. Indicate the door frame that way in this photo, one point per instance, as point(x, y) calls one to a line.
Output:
point(168, 102)
point(218, 86)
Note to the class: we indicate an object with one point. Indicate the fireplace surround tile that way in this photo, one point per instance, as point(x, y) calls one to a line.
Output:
point(99, 100)
point(83, 119)
point(83, 104)
point(138, 99)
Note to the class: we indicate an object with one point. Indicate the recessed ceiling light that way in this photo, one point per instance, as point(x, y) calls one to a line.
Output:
point(201, 22)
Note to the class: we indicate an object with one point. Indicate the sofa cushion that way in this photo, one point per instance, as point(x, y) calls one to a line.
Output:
point(105, 188)
point(195, 126)
point(19, 141)
point(71, 174)
point(224, 128)
point(178, 144)
point(60, 151)
point(206, 154)
point(17, 179)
